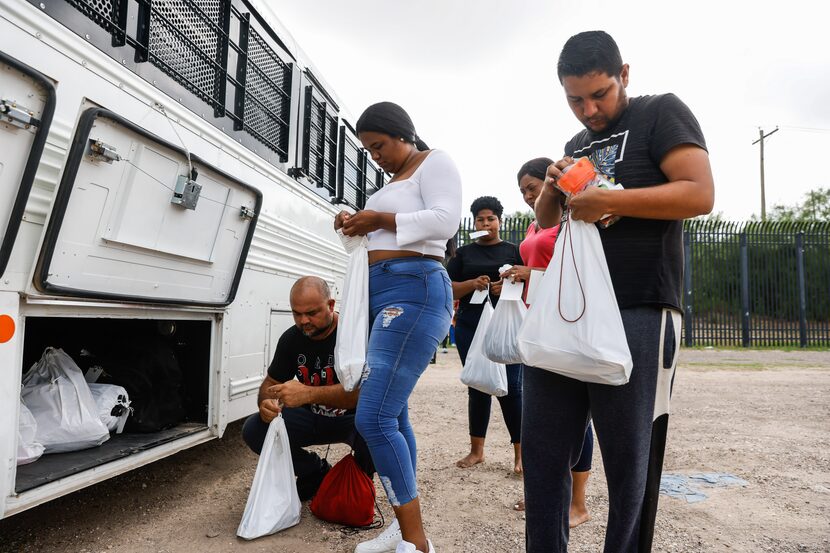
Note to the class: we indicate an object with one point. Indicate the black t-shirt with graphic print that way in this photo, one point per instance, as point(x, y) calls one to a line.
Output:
point(310, 361)
point(645, 256)
point(474, 260)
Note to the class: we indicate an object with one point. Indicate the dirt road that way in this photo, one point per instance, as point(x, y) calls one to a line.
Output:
point(763, 416)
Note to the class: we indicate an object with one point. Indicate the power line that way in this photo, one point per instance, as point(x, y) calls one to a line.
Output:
point(805, 129)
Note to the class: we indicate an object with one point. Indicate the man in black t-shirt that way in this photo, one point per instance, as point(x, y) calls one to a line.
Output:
point(654, 148)
point(302, 385)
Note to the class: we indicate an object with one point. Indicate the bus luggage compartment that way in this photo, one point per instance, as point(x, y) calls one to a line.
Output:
point(163, 364)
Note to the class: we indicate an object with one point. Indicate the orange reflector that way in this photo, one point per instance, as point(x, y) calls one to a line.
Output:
point(6, 328)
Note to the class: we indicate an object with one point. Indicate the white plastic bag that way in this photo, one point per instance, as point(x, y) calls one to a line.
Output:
point(353, 325)
point(501, 343)
point(273, 503)
point(56, 393)
point(574, 326)
point(479, 372)
point(113, 404)
point(28, 449)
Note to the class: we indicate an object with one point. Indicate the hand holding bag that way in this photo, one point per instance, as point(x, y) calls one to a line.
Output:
point(501, 343)
point(273, 503)
point(353, 325)
point(574, 327)
point(479, 372)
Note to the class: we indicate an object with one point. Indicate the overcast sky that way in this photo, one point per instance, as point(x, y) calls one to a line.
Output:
point(479, 79)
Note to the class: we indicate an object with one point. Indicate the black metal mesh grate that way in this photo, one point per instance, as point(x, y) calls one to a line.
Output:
point(102, 12)
point(321, 144)
point(267, 95)
point(184, 39)
point(211, 49)
point(374, 179)
point(350, 178)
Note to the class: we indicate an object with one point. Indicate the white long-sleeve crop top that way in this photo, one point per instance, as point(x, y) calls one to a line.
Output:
point(427, 207)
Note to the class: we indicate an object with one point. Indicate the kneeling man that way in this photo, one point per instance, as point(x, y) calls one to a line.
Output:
point(302, 385)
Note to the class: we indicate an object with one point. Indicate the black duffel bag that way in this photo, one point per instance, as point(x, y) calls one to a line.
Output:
point(153, 379)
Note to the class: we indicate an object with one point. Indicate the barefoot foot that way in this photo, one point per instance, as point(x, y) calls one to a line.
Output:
point(517, 458)
point(470, 460)
point(578, 516)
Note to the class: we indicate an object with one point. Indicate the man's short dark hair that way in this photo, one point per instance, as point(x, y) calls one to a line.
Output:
point(589, 52)
point(487, 202)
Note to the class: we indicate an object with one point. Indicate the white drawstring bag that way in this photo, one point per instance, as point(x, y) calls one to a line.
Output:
point(574, 327)
point(28, 449)
point(353, 325)
point(58, 396)
point(113, 404)
point(273, 503)
point(501, 343)
point(479, 372)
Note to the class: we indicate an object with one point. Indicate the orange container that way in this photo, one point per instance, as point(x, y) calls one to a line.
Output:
point(577, 176)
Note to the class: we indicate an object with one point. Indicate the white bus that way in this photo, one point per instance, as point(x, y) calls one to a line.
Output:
point(168, 168)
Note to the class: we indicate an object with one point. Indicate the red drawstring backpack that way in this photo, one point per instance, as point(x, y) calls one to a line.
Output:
point(346, 495)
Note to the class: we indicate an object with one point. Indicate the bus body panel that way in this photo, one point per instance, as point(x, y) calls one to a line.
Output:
point(293, 234)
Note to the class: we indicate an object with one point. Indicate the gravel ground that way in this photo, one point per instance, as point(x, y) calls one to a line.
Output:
point(760, 415)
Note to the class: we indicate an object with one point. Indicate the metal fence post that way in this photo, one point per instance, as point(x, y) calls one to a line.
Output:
point(802, 289)
point(687, 281)
point(744, 291)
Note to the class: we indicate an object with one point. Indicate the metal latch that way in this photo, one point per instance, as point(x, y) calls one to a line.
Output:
point(102, 152)
point(186, 193)
point(246, 212)
point(17, 115)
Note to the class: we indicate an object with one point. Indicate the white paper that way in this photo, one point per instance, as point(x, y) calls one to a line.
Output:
point(479, 296)
point(511, 291)
point(478, 234)
point(533, 285)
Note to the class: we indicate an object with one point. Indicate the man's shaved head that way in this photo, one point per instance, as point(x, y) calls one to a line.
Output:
point(311, 284)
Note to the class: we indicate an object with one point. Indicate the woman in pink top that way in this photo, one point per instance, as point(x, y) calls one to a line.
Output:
point(536, 251)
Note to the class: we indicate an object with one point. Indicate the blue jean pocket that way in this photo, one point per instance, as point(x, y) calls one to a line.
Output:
point(412, 269)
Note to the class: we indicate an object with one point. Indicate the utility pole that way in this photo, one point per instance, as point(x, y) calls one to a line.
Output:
point(761, 137)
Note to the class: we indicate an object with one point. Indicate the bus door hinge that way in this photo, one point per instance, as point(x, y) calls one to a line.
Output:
point(99, 151)
point(13, 113)
point(246, 212)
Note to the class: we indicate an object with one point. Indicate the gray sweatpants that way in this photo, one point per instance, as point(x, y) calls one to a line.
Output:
point(556, 412)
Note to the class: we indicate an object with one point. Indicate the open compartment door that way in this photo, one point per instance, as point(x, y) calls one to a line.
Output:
point(27, 102)
point(136, 219)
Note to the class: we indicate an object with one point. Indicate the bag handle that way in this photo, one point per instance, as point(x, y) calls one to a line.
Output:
point(568, 236)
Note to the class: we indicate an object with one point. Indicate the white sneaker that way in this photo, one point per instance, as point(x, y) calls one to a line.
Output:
point(406, 547)
point(386, 542)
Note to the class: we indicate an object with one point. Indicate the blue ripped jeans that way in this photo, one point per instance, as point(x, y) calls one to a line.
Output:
point(410, 303)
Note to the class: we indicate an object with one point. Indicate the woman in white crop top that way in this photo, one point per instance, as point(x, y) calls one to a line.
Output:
point(408, 223)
